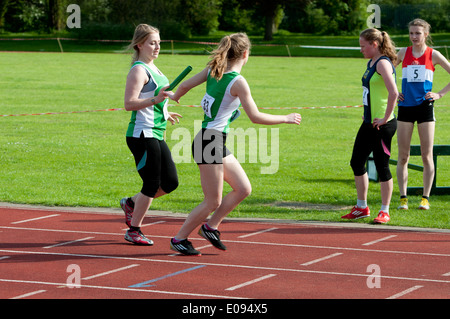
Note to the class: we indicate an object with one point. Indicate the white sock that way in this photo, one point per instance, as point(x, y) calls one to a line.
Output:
point(361, 203)
point(385, 208)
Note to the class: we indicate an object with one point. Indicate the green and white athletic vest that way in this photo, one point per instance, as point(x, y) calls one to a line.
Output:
point(219, 106)
point(152, 120)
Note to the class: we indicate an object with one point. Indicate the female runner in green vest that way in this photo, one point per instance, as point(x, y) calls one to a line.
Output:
point(146, 99)
point(226, 90)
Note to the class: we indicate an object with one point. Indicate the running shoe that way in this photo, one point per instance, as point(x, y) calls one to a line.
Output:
point(213, 236)
point(357, 213)
point(138, 238)
point(184, 247)
point(424, 204)
point(127, 209)
point(382, 218)
point(403, 203)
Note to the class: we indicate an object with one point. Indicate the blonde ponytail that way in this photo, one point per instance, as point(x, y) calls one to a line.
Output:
point(230, 48)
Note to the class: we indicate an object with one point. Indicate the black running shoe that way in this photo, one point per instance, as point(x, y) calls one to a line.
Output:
point(213, 236)
point(184, 247)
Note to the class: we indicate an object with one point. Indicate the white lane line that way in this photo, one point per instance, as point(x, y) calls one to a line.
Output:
point(250, 282)
point(149, 224)
point(197, 248)
point(179, 261)
point(240, 242)
point(257, 233)
point(6, 257)
point(33, 219)
point(447, 274)
point(321, 259)
point(407, 291)
point(378, 240)
point(29, 294)
point(68, 242)
point(110, 272)
point(173, 293)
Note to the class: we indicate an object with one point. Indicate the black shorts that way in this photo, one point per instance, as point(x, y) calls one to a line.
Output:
point(420, 113)
point(209, 147)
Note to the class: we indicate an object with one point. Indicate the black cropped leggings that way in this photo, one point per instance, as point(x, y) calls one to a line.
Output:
point(154, 163)
point(370, 140)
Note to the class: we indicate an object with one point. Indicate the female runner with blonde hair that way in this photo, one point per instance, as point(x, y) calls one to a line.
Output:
point(146, 99)
point(226, 90)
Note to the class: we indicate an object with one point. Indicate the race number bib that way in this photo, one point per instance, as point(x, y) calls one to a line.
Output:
point(365, 95)
point(207, 103)
point(415, 73)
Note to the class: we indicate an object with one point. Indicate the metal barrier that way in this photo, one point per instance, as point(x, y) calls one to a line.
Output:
point(438, 150)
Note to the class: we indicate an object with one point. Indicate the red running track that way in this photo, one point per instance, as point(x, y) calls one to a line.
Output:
point(43, 253)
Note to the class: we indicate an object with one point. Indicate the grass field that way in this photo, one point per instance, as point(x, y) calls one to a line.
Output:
point(81, 159)
point(283, 44)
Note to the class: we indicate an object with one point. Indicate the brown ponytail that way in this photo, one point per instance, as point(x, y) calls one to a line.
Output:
point(385, 44)
point(230, 48)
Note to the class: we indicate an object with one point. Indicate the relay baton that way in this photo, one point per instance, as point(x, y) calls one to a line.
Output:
point(179, 78)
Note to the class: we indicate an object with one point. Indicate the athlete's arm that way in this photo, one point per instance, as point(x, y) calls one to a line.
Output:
point(136, 79)
point(189, 84)
point(242, 90)
point(438, 58)
point(400, 56)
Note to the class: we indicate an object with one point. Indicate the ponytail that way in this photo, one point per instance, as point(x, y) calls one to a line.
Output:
point(230, 49)
point(387, 47)
point(219, 61)
point(385, 44)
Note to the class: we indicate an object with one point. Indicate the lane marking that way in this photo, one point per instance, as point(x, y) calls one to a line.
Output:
point(29, 294)
point(110, 272)
point(407, 291)
point(321, 259)
point(6, 257)
point(240, 242)
point(33, 219)
point(197, 248)
point(149, 224)
point(258, 232)
point(146, 283)
point(179, 261)
point(250, 282)
point(123, 289)
point(379, 240)
point(447, 274)
point(68, 242)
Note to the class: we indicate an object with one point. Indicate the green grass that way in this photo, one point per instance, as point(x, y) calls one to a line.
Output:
point(82, 160)
point(277, 47)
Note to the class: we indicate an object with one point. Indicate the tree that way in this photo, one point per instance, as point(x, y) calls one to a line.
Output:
point(269, 9)
point(56, 14)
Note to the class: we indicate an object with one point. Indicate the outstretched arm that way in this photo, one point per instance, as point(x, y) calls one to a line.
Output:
point(189, 84)
point(242, 90)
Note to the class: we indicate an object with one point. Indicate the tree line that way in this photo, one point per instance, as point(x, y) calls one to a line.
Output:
point(180, 19)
